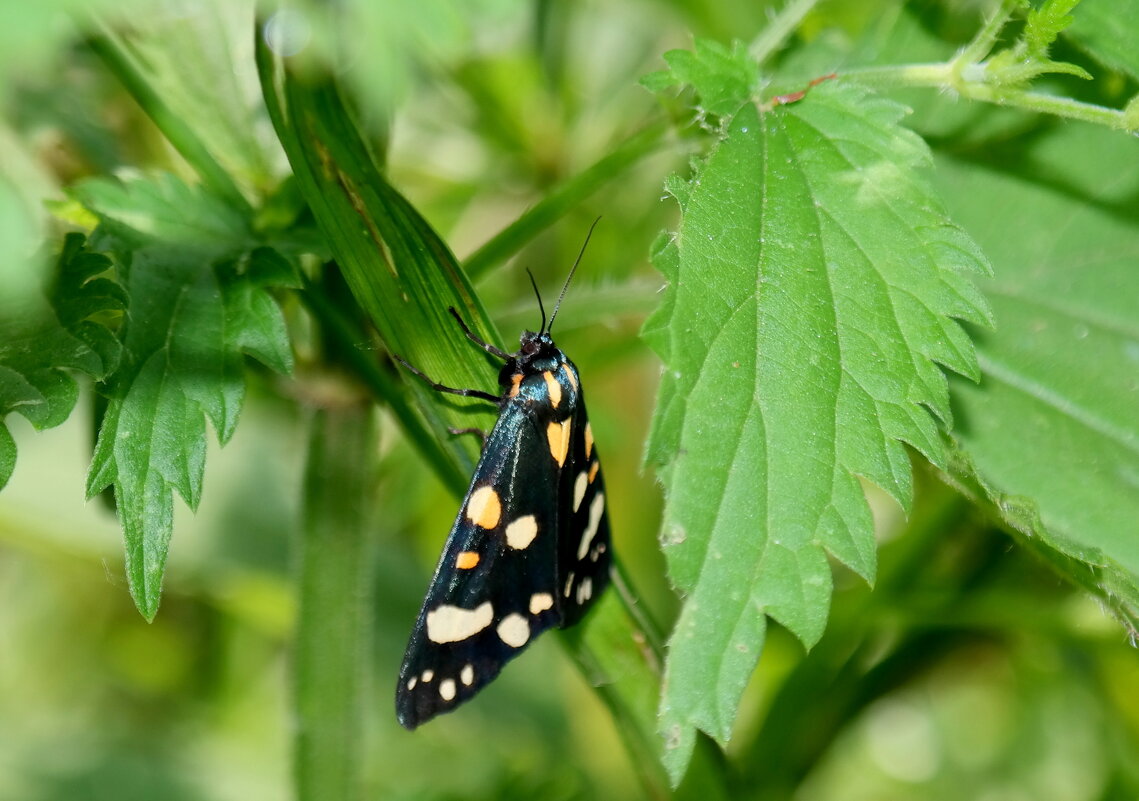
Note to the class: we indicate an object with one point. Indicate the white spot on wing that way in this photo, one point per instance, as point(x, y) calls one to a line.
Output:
point(596, 509)
point(569, 585)
point(448, 623)
point(467, 675)
point(447, 689)
point(585, 590)
point(579, 485)
point(522, 531)
point(427, 676)
point(514, 630)
point(412, 682)
point(540, 602)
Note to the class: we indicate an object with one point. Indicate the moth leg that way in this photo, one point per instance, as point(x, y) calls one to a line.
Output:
point(460, 431)
point(466, 393)
point(491, 349)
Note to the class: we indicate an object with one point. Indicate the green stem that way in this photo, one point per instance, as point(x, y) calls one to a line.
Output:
point(332, 643)
point(968, 84)
point(772, 37)
point(986, 37)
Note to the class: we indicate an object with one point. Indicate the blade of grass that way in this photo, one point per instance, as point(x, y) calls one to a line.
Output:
point(400, 272)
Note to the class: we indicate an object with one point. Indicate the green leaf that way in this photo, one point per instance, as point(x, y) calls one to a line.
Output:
point(7, 455)
point(1046, 23)
point(1051, 432)
point(813, 284)
point(189, 323)
point(1109, 31)
point(39, 342)
point(722, 78)
point(161, 208)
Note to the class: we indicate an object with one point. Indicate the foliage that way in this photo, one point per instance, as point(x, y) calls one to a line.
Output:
point(898, 328)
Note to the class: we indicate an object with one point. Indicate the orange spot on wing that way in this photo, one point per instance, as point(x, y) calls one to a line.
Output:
point(559, 436)
point(484, 508)
point(554, 388)
point(466, 560)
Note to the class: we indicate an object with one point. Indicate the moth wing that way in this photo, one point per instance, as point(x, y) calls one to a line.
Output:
point(584, 548)
point(496, 585)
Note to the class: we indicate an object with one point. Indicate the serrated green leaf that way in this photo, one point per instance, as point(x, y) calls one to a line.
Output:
point(722, 77)
point(190, 322)
point(1044, 24)
point(1053, 424)
point(39, 342)
point(817, 278)
point(164, 209)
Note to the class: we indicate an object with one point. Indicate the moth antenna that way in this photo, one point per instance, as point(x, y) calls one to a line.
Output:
point(569, 277)
point(538, 295)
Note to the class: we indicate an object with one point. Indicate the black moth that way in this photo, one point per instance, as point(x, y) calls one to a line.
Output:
point(530, 547)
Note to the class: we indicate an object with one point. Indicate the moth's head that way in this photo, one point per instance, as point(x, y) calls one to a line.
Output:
point(537, 351)
point(535, 344)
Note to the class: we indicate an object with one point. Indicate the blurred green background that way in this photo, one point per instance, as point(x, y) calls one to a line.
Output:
point(1017, 687)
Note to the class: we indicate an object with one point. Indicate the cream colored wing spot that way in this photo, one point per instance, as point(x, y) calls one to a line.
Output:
point(447, 689)
point(427, 675)
point(540, 602)
point(579, 485)
point(449, 623)
point(588, 440)
point(559, 436)
point(514, 630)
point(584, 590)
point(414, 680)
point(554, 388)
point(569, 585)
point(521, 532)
point(467, 675)
point(596, 509)
point(484, 508)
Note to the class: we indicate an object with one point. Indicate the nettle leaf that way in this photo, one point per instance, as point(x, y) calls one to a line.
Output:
point(722, 77)
point(162, 208)
point(815, 284)
point(198, 305)
point(1051, 431)
point(43, 338)
point(189, 325)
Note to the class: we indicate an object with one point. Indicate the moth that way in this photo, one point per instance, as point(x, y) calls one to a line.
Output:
point(530, 548)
